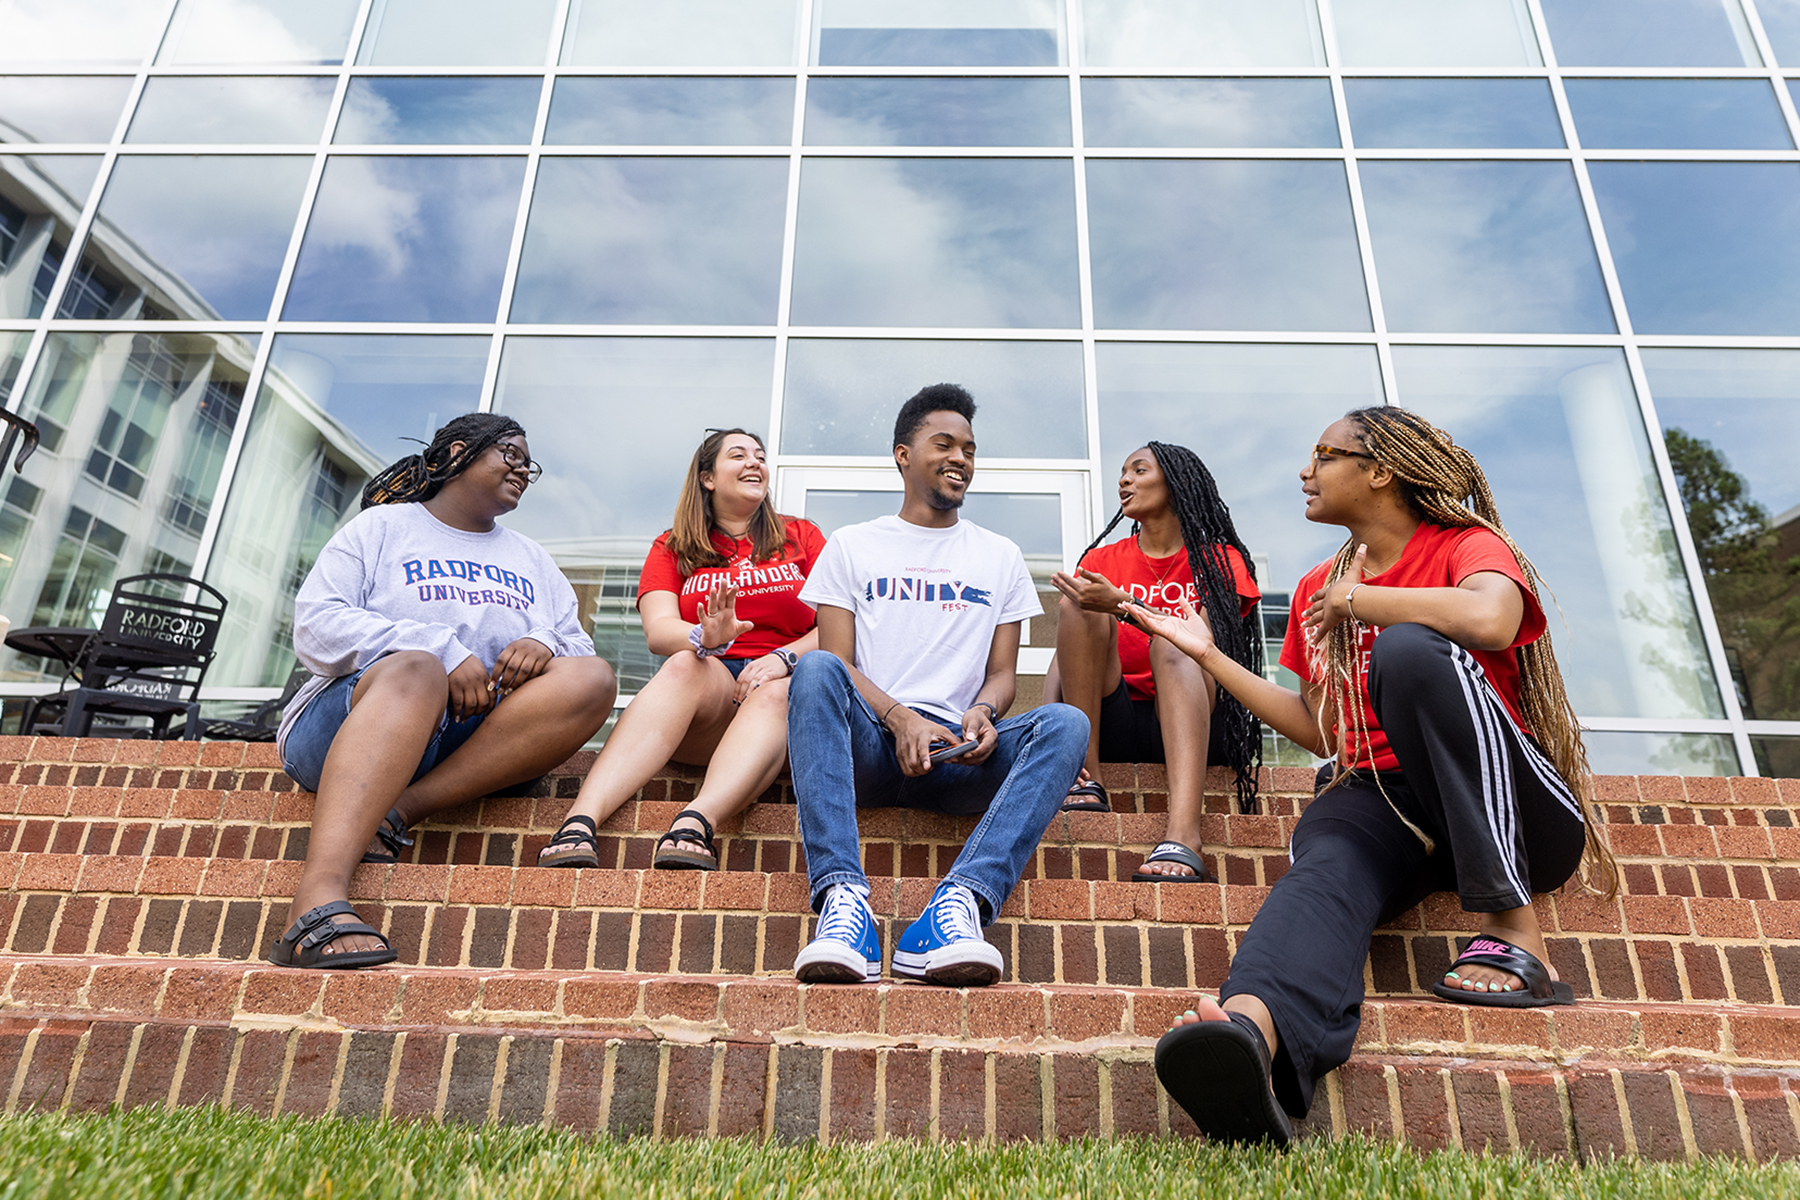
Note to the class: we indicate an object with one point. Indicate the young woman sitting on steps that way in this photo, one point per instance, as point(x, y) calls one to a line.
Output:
point(1146, 701)
point(447, 661)
point(1459, 767)
point(719, 597)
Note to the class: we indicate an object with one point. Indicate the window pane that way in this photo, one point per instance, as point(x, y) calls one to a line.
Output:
point(939, 33)
point(1224, 244)
point(232, 110)
point(1435, 33)
point(1730, 420)
point(1705, 247)
point(407, 239)
point(457, 33)
point(189, 238)
point(61, 108)
point(300, 32)
point(937, 112)
point(842, 394)
point(394, 110)
point(1445, 113)
point(1650, 33)
point(930, 241)
point(333, 410)
point(12, 354)
point(1252, 412)
point(1781, 21)
point(583, 399)
point(671, 112)
point(41, 198)
point(1200, 35)
point(1208, 112)
point(676, 33)
point(79, 32)
point(1677, 114)
point(653, 241)
point(135, 427)
point(1777, 756)
point(1560, 436)
point(1614, 753)
point(1488, 247)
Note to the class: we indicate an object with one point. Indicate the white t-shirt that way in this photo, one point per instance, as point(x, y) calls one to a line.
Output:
point(927, 602)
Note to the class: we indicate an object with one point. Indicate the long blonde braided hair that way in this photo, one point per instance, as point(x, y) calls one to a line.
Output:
point(1443, 484)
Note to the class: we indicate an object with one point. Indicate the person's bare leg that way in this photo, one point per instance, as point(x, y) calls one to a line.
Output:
point(394, 711)
point(745, 761)
point(1087, 657)
point(1516, 925)
point(1185, 697)
point(533, 729)
point(685, 706)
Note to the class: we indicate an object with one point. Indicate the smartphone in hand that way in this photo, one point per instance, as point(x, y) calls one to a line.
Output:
point(939, 755)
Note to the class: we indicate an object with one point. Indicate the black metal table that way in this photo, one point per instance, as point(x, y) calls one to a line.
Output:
point(62, 643)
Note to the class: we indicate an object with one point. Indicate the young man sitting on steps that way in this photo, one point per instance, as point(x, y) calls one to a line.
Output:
point(919, 617)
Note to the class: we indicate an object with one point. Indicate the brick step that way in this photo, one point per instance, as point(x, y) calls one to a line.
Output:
point(1638, 948)
point(891, 1014)
point(1757, 862)
point(674, 1056)
point(1142, 787)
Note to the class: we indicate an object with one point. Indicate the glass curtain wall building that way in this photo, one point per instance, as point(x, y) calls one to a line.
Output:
point(249, 247)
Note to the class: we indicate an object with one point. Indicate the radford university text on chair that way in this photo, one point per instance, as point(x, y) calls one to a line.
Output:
point(147, 659)
point(143, 881)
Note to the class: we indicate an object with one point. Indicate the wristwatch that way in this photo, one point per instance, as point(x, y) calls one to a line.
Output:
point(787, 656)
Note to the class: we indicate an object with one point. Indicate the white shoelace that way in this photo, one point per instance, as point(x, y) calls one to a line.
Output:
point(844, 914)
point(958, 915)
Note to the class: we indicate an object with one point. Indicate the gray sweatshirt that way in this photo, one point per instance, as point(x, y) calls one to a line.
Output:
point(397, 578)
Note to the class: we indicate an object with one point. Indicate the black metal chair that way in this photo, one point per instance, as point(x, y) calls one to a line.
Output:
point(147, 660)
point(15, 426)
point(263, 721)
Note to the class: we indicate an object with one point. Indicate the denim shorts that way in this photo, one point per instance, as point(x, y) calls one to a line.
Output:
point(309, 741)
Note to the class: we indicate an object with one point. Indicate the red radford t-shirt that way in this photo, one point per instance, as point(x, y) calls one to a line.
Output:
point(1161, 584)
point(768, 592)
point(1434, 557)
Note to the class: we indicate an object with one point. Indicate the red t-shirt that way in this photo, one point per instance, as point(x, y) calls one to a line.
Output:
point(1434, 557)
point(768, 592)
point(1162, 584)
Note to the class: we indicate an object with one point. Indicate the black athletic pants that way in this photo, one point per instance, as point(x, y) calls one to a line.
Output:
point(1504, 824)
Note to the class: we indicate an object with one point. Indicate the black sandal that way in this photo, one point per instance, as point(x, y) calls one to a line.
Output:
point(1219, 1072)
point(1487, 951)
point(572, 846)
point(391, 833)
point(1093, 798)
point(670, 855)
point(1174, 852)
point(303, 945)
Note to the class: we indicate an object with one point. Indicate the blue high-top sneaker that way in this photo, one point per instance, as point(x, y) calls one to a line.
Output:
point(847, 945)
point(945, 945)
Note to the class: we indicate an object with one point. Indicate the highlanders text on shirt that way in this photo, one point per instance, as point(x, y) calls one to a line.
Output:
point(420, 570)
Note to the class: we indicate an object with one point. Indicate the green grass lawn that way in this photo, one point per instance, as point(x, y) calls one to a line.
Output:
point(207, 1152)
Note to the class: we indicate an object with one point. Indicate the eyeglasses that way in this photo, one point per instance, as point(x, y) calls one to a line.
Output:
point(1323, 452)
point(516, 461)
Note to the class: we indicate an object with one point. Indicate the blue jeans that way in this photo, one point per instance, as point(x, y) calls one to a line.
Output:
point(842, 757)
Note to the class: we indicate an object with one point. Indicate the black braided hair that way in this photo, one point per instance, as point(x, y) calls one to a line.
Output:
point(1206, 530)
point(420, 476)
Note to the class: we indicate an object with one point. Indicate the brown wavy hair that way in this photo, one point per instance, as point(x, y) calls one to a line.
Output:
point(690, 538)
point(1443, 484)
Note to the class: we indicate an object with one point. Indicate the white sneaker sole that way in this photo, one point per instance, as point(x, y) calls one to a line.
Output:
point(960, 964)
point(832, 961)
